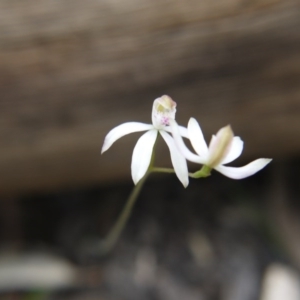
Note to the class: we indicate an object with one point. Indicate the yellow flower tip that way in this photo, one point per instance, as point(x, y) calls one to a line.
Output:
point(165, 103)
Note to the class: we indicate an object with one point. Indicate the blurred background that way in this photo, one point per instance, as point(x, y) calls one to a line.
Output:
point(72, 70)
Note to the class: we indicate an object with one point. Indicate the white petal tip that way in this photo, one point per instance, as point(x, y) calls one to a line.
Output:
point(185, 184)
point(106, 145)
point(104, 148)
point(262, 162)
point(185, 181)
point(265, 161)
point(135, 181)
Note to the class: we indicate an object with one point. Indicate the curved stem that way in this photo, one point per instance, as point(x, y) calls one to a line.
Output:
point(203, 172)
point(118, 227)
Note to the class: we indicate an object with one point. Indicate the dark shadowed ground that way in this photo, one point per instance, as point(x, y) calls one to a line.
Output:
point(213, 240)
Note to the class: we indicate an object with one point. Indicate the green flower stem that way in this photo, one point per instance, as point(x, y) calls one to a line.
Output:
point(203, 172)
point(118, 227)
point(162, 170)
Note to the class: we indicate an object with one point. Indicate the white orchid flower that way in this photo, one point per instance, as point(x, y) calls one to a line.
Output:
point(224, 147)
point(164, 110)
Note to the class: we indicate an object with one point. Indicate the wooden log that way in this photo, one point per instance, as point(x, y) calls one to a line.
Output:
point(72, 70)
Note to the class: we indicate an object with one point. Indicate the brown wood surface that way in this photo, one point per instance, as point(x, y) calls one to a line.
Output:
point(72, 70)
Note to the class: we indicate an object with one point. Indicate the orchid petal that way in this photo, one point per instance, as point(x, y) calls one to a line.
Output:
point(142, 153)
point(245, 171)
point(235, 150)
point(196, 137)
point(182, 147)
point(178, 160)
point(122, 130)
point(182, 131)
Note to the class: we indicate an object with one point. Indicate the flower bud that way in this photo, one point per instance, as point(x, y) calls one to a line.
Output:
point(219, 146)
